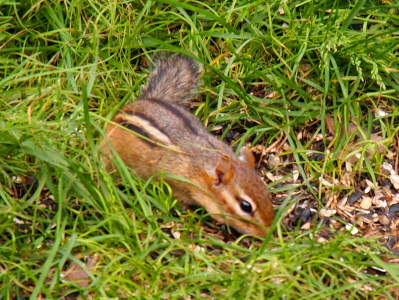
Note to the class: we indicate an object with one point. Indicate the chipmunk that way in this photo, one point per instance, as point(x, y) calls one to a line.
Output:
point(156, 135)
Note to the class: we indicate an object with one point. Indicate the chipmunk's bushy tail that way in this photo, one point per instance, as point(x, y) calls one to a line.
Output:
point(175, 79)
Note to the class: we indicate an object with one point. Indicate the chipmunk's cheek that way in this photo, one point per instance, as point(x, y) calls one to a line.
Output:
point(245, 227)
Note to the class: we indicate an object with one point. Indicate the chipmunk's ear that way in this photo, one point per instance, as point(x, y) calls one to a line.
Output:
point(247, 157)
point(223, 172)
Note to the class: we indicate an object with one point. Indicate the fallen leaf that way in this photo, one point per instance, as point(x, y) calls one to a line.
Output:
point(79, 274)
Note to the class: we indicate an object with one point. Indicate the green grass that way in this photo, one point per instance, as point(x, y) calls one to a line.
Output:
point(273, 69)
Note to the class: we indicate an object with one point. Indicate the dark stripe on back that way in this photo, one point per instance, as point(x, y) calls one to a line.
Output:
point(136, 129)
point(128, 112)
point(153, 124)
point(146, 118)
point(151, 121)
point(171, 108)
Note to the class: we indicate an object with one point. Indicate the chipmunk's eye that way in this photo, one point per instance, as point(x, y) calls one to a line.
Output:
point(245, 206)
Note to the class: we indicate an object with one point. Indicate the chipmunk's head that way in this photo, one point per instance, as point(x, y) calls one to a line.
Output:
point(239, 197)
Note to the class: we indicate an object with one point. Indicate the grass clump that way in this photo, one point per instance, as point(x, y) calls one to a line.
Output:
point(276, 72)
